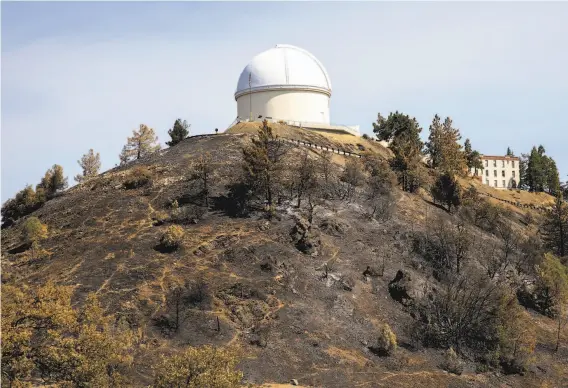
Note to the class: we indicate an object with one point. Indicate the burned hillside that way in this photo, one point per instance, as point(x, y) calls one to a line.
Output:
point(316, 267)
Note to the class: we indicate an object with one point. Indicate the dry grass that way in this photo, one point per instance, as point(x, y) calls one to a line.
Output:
point(524, 197)
point(347, 355)
point(328, 139)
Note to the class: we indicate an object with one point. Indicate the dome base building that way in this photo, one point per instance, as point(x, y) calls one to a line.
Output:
point(287, 84)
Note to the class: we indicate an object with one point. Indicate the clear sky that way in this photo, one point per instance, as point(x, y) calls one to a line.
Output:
point(84, 75)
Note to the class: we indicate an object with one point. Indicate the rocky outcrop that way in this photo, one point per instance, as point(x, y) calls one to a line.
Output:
point(404, 289)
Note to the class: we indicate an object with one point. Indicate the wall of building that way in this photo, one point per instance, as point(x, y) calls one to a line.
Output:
point(499, 172)
point(287, 105)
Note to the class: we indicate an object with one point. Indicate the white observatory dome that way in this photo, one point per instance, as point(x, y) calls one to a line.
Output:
point(284, 83)
point(284, 67)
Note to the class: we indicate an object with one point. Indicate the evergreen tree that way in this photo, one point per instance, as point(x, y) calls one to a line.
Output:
point(52, 182)
point(509, 152)
point(142, 143)
point(555, 228)
point(179, 132)
point(404, 134)
point(90, 163)
point(447, 191)
point(262, 164)
point(541, 173)
point(552, 179)
point(473, 158)
point(434, 145)
point(203, 173)
point(443, 147)
point(523, 172)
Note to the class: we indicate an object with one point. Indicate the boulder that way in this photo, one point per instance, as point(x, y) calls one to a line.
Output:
point(371, 272)
point(404, 289)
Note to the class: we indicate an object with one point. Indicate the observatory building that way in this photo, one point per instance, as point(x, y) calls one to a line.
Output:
point(287, 84)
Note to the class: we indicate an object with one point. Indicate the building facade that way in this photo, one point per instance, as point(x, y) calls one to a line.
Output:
point(287, 84)
point(500, 172)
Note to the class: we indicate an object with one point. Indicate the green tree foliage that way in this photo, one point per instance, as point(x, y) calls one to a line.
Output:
point(202, 367)
point(516, 334)
point(447, 191)
point(523, 172)
point(52, 182)
point(179, 132)
point(403, 133)
point(33, 232)
point(553, 276)
point(555, 228)
point(473, 158)
point(43, 335)
point(541, 173)
point(142, 143)
point(386, 340)
point(90, 163)
point(443, 148)
point(263, 165)
point(24, 202)
point(510, 152)
point(173, 237)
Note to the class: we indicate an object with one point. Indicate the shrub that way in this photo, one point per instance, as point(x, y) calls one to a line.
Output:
point(452, 362)
point(26, 201)
point(204, 366)
point(187, 214)
point(386, 341)
point(139, 176)
point(446, 191)
point(33, 232)
point(42, 334)
point(517, 336)
point(173, 237)
point(463, 314)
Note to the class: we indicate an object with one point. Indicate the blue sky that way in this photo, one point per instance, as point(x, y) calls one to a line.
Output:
point(83, 75)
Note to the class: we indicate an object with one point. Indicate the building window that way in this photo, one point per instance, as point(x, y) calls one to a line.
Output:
point(486, 172)
point(504, 185)
point(494, 163)
point(503, 163)
point(495, 181)
point(487, 163)
point(513, 173)
point(513, 163)
point(487, 182)
point(503, 173)
point(494, 172)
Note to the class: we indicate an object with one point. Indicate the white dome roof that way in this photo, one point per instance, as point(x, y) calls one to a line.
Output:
point(284, 67)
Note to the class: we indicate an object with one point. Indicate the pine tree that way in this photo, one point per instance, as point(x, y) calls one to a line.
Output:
point(551, 178)
point(142, 143)
point(555, 228)
point(90, 163)
point(262, 164)
point(434, 145)
point(203, 173)
point(473, 158)
point(404, 134)
point(523, 172)
point(179, 132)
point(509, 152)
point(447, 191)
point(52, 182)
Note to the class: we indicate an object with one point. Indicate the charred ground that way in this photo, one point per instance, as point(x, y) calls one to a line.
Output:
point(255, 288)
